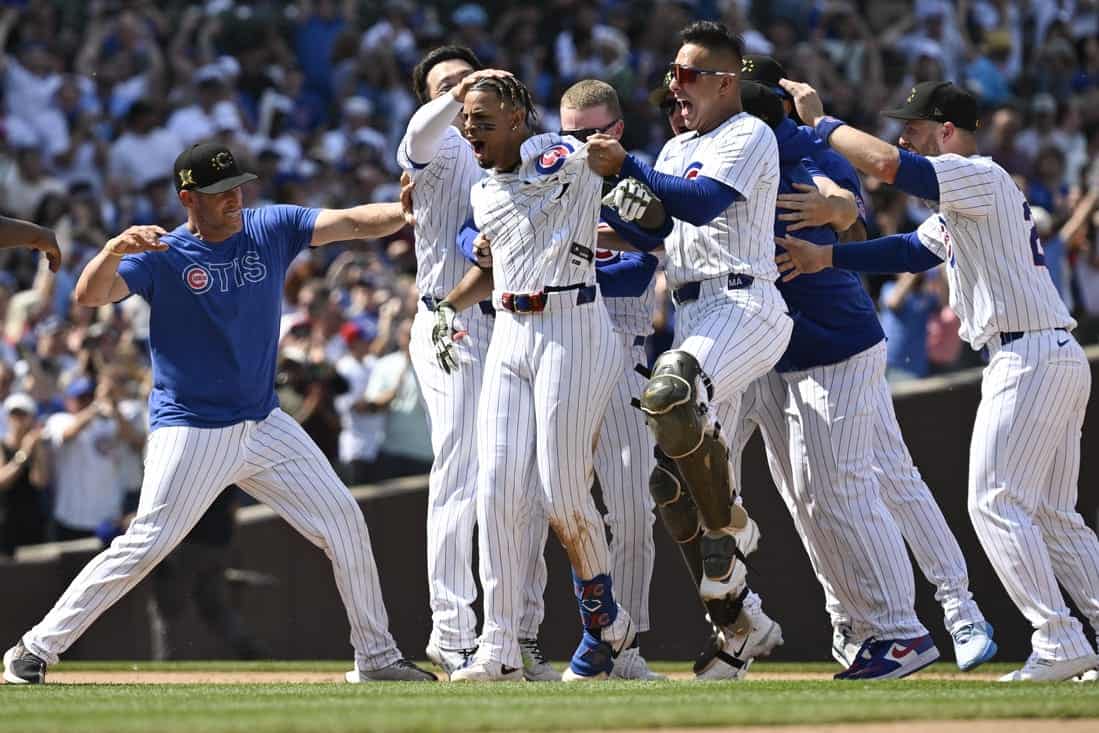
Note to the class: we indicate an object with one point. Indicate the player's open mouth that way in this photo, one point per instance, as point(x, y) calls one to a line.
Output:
point(478, 147)
point(685, 107)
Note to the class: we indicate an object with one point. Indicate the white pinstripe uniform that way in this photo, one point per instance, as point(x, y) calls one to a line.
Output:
point(739, 334)
point(266, 453)
point(1025, 454)
point(623, 462)
point(441, 206)
point(548, 378)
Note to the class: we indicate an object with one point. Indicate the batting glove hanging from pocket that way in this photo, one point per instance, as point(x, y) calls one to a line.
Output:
point(444, 335)
point(630, 198)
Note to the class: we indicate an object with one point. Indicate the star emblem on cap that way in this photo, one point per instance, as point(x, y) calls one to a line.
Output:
point(911, 96)
point(748, 65)
point(222, 160)
point(186, 178)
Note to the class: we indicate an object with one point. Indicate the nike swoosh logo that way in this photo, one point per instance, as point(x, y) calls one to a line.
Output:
point(900, 654)
point(508, 670)
point(564, 187)
point(1062, 343)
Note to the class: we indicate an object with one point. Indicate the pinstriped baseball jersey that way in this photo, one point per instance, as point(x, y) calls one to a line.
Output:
point(995, 264)
point(542, 218)
point(633, 316)
point(741, 153)
point(441, 206)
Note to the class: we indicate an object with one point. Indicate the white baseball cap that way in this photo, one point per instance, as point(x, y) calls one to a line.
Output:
point(21, 402)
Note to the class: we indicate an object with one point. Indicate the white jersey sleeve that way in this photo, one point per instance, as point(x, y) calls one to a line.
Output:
point(739, 157)
point(933, 235)
point(967, 186)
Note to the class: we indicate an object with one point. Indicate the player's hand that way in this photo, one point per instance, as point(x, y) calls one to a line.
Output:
point(445, 336)
point(605, 154)
point(482, 250)
point(46, 243)
point(806, 100)
point(808, 209)
point(459, 92)
point(630, 198)
point(801, 258)
point(407, 184)
point(145, 238)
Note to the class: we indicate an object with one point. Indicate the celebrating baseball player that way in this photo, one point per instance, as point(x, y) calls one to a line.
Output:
point(443, 170)
point(214, 285)
point(719, 182)
point(836, 357)
point(549, 374)
point(1025, 453)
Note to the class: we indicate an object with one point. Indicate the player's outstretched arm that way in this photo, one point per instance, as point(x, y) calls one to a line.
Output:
point(895, 253)
point(100, 283)
point(19, 233)
point(368, 221)
point(866, 152)
point(827, 204)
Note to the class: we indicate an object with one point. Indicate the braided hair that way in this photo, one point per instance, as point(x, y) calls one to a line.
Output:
point(511, 92)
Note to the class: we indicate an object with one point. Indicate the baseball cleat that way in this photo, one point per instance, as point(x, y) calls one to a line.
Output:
point(630, 665)
point(844, 645)
point(448, 659)
point(733, 648)
point(594, 657)
point(890, 659)
point(973, 645)
point(487, 670)
point(23, 668)
point(1092, 675)
point(1038, 669)
point(400, 671)
point(536, 668)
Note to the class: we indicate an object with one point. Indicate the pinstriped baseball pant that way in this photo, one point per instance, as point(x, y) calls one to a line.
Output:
point(451, 401)
point(823, 433)
point(548, 378)
point(185, 469)
point(623, 462)
point(1024, 466)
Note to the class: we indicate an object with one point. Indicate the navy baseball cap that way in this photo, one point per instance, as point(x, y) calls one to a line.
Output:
point(758, 100)
point(938, 101)
point(209, 168)
point(764, 70)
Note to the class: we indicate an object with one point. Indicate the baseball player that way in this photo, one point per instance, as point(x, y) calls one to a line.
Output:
point(214, 285)
point(852, 326)
point(442, 167)
point(719, 182)
point(549, 374)
point(1025, 453)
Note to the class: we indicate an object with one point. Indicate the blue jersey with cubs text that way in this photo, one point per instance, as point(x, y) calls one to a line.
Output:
point(834, 317)
point(214, 317)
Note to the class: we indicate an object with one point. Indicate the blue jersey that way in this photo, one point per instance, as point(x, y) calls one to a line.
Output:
point(214, 317)
point(834, 317)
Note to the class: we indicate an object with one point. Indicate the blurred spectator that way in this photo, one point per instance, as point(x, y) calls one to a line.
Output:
point(906, 306)
point(362, 424)
point(406, 449)
point(28, 183)
point(945, 350)
point(24, 474)
point(88, 490)
point(145, 152)
point(308, 392)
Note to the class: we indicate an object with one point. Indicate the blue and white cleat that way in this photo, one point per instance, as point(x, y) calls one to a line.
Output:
point(973, 645)
point(890, 659)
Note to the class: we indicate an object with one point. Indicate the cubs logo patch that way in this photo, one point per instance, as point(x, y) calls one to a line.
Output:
point(605, 255)
point(197, 279)
point(553, 157)
point(222, 160)
point(693, 170)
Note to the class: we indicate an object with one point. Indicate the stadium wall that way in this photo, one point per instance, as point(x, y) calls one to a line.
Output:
point(301, 616)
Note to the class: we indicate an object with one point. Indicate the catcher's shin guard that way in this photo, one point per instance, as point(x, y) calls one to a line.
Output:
point(677, 511)
point(678, 423)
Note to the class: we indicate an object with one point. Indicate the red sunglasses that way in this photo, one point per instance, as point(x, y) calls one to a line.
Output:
point(689, 74)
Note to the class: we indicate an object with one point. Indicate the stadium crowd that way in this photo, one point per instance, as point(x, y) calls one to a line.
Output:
point(99, 98)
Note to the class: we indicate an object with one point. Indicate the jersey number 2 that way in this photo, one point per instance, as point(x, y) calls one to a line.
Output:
point(1035, 242)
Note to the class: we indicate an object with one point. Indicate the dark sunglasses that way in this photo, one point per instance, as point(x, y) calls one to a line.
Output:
point(689, 74)
point(583, 134)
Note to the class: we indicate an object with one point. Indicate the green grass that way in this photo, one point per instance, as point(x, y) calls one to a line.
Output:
point(259, 708)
